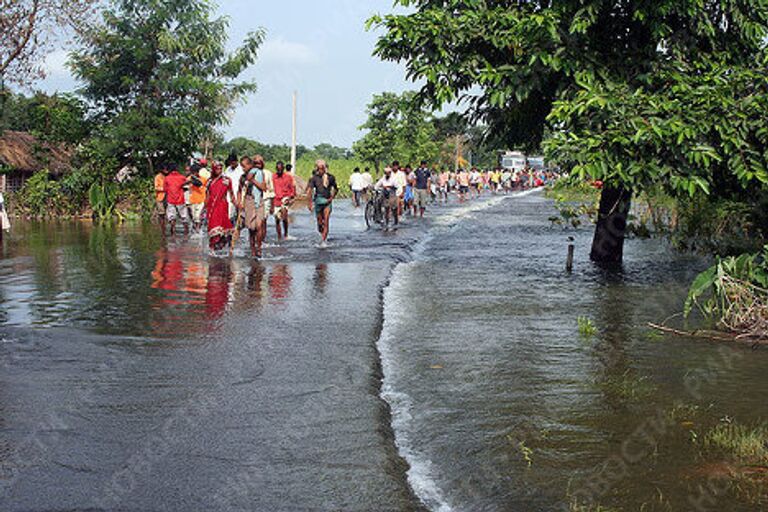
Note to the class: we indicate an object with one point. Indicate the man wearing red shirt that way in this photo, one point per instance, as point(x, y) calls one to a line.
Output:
point(285, 191)
point(174, 194)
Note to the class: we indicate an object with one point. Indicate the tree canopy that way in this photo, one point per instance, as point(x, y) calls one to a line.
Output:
point(26, 30)
point(397, 128)
point(509, 61)
point(159, 77)
point(666, 93)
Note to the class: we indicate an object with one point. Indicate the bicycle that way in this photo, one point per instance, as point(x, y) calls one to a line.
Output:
point(374, 209)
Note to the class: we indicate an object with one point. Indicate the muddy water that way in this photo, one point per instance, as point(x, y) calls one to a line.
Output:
point(140, 374)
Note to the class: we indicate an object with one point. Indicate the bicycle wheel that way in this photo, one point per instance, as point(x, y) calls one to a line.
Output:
point(370, 214)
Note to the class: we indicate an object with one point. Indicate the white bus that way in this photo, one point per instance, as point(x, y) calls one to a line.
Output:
point(512, 160)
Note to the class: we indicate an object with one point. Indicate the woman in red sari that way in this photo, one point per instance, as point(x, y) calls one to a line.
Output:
point(219, 225)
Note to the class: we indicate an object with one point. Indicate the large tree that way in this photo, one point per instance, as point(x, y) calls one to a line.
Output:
point(159, 77)
point(511, 62)
point(28, 29)
point(397, 128)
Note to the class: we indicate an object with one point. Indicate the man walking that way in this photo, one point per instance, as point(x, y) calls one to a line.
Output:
point(175, 184)
point(285, 192)
point(422, 179)
point(357, 184)
point(197, 190)
point(321, 191)
point(160, 196)
point(234, 173)
point(254, 204)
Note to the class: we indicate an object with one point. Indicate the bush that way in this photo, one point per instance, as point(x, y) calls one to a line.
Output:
point(40, 196)
point(734, 293)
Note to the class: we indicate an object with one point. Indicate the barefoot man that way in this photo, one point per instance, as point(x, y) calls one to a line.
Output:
point(254, 206)
point(285, 192)
point(321, 190)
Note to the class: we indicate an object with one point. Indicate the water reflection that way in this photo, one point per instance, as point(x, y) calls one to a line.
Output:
point(218, 290)
point(320, 279)
point(280, 280)
point(130, 280)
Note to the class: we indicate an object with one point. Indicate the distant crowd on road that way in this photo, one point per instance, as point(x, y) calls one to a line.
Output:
point(403, 189)
point(241, 194)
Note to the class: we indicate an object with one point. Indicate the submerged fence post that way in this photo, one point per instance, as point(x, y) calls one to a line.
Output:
point(569, 259)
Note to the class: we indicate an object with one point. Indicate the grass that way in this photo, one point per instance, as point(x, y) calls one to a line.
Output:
point(627, 387)
point(746, 450)
point(747, 445)
point(575, 506)
point(587, 328)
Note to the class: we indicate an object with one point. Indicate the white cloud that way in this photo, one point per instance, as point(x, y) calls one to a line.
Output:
point(286, 52)
point(56, 64)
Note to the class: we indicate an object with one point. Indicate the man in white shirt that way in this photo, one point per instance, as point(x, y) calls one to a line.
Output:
point(234, 172)
point(357, 185)
point(388, 187)
point(368, 178)
point(401, 178)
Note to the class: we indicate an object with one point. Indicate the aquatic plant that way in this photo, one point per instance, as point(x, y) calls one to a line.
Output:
point(627, 386)
point(526, 452)
point(586, 327)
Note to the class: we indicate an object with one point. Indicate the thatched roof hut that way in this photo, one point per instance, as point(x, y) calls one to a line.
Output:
point(22, 154)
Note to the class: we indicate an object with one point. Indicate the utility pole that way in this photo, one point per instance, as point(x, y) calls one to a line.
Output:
point(293, 135)
point(458, 153)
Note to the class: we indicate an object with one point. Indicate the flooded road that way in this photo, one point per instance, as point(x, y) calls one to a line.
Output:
point(436, 367)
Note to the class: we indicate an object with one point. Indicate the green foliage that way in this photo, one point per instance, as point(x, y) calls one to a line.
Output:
point(734, 293)
point(645, 96)
point(242, 146)
point(587, 328)
point(103, 199)
point(40, 196)
point(575, 200)
point(74, 187)
point(721, 226)
point(510, 61)
point(159, 77)
point(52, 118)
point(398, 128)
point(691, 128)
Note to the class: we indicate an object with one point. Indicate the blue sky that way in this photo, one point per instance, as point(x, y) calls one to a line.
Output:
point(319, 48)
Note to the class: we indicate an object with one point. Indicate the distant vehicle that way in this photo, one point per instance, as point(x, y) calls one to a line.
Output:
point(537, 163)
point(512, 160)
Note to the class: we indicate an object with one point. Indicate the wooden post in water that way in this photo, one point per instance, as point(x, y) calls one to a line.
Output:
point(293, 135)
point(569, 259)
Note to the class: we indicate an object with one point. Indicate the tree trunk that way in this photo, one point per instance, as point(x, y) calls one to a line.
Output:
point(608, 244)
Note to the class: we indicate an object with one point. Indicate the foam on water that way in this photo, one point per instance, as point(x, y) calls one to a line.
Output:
point(420, 473)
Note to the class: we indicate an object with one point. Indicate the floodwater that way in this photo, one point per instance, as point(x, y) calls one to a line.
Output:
point(435, 367)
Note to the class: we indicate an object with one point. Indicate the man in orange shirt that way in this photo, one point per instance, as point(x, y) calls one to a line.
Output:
point(160, 195)
point(197, 184)
point(285, 192)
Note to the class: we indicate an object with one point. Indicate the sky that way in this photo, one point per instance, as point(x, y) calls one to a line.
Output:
point(319, 48)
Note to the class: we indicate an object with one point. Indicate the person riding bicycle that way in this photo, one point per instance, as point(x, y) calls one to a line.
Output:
point(388, 187)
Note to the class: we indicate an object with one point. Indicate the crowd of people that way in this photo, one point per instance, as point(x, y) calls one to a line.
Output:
point(238, 194)
point(241, 194)
point(404, 189)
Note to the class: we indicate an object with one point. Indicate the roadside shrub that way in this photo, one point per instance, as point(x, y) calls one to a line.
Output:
point(734, 293)
point(39, 196)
